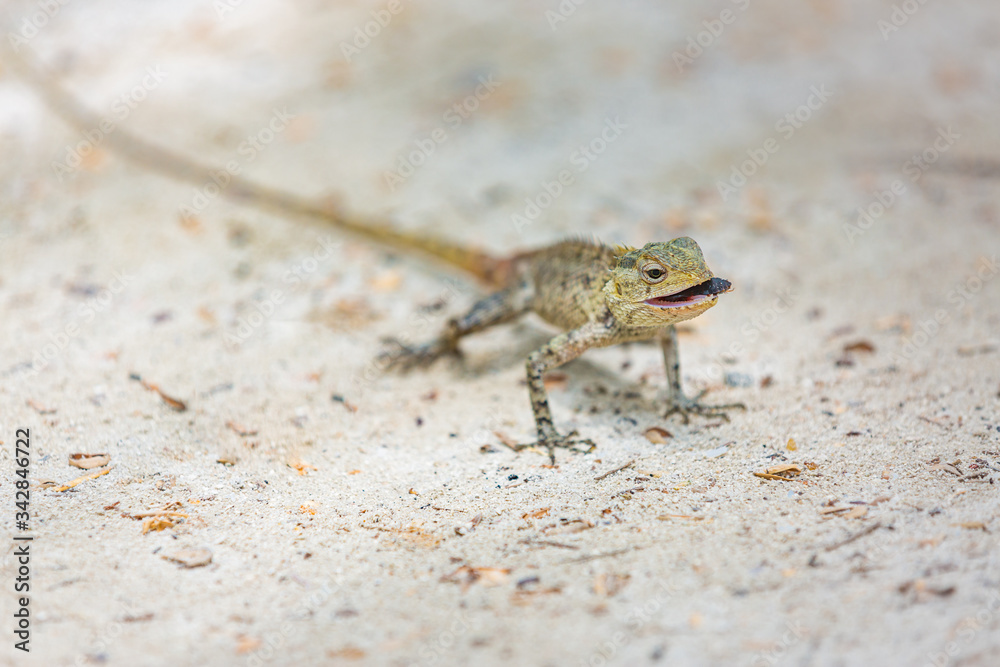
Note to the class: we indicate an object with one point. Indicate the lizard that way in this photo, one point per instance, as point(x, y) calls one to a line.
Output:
point(597, 295)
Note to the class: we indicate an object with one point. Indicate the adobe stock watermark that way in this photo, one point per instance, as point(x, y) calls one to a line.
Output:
point(295, 276)
point(273, 641)
point(960, 295)
point(101, 642)
point(249, 149)
point(786, 127)
point(898, 17)
point(562, 13)
point(408, 163)
point(363, 35)
point(793, 635)
point(120, 110)
point(87, 312)
point(486, 434)
point(580, 160)
point(32, 24)
point(225, 7)
point(750, 331)
point(914, 168)
point(967, 629)
point(704, 39)
point(635, 620)
point(443, 642)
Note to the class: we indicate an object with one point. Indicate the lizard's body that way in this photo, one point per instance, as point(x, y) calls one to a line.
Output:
point(598, 295)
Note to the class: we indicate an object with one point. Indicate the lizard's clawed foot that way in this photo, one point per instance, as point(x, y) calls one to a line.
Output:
point(685, 407)
point(554, 440)
point(399, 356)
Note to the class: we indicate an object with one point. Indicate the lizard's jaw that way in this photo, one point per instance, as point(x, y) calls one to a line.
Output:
point(692, 296)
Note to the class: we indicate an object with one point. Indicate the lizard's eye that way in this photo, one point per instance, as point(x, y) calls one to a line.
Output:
point(653, 273)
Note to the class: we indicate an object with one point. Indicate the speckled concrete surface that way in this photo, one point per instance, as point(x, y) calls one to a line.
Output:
point(390, 525)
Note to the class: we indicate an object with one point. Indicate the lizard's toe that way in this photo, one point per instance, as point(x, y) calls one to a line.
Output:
point(686, 407)
point(554, 441)
point(397, 355)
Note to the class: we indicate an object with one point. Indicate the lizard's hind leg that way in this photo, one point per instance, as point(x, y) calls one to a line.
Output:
point(497, 308)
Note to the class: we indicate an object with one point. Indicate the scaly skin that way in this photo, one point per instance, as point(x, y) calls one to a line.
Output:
point(598, 295)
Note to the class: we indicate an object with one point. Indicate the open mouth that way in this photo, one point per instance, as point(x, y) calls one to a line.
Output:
point(692, 295)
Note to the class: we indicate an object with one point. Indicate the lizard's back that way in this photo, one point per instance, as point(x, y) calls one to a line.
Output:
point(565, 281)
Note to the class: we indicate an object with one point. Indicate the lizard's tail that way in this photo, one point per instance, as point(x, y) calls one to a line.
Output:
point(487, 268)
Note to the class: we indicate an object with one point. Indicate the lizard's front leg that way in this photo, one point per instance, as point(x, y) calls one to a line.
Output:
point(496, 308)
point(677, 402)
point(561, 349)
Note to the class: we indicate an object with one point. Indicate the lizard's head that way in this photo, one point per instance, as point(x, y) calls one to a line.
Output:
point(661, 284)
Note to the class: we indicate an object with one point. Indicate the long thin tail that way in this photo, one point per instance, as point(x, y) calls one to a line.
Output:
point(487, 268)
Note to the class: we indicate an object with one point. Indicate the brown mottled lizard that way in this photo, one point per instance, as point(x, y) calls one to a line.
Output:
point(598, 295)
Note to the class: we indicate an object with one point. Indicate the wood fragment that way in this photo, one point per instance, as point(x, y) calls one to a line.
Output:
point(174, 403)
point(39, 408)
point(506, 440)
point(932, 421)
point(782, 473)
point(657, 435)
point(555, 380)
point(859, 346)
point(856, 536)
point(157, 523)
point(549, 543)
point(613, 471)
point(79, 480)
point(789, 469)
point(89, 461)
point(190, 558)
point(972, 525)
point(947, 467)
point(155, 513)
point(608, 554)
point(467, 575)
point(689, 517)
point(239, 429)
point(609, 585)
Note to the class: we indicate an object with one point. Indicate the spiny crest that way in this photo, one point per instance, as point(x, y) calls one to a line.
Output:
point(622, 249)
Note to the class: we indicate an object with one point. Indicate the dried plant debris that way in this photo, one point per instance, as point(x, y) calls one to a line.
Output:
point(240, 429)
point(973, 525)
point(614, 470)
point(157, 523)
point(156, 520)
point(174, 403)
point(190, 558)
point(337, 398)
point(89, 461)
point(684, 517)
point(39, 408)
point(303, 468)
point(555, 380)
point(782, 473)
point(657, 435)
point(79, 480)
point(859, 346)
point(467, 575)
point(609, 585)
point(936, 464)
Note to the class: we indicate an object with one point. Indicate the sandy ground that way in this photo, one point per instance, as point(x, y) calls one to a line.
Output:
point(355, 517)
